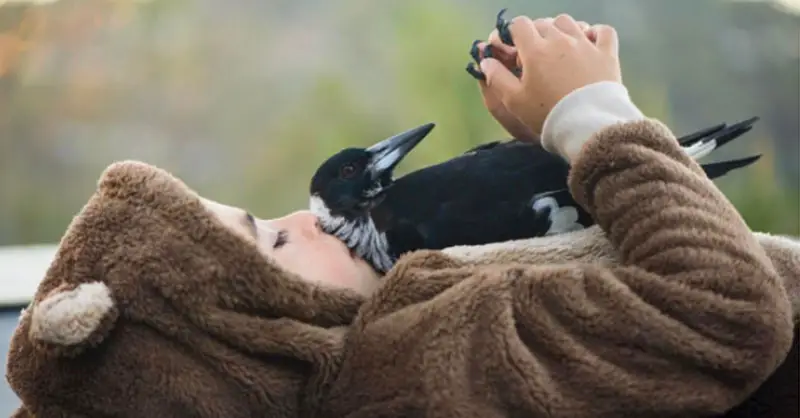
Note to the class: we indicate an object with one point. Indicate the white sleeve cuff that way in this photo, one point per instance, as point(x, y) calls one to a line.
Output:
point(582, 113)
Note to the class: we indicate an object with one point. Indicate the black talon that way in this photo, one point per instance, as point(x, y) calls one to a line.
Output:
point(502, 28)
point(475, 72)
point(487, 52)
point(475, 52)
point(517, 72)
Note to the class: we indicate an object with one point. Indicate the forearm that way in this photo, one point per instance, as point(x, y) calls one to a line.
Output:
point(695, 292)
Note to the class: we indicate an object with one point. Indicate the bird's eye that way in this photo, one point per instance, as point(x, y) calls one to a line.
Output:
point(347, 171)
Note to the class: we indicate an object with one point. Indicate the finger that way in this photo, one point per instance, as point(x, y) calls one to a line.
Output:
point(508, 121)
point(507, 55)
point(499, 79)
point(568, 26)
point(528, 38)
point(524, 32)
point(591, 34)
point(543, 26)
point(494, 38)
point(587, 30)
point(607, 39)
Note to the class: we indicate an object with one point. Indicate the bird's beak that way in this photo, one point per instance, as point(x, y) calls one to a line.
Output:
point(385, 155)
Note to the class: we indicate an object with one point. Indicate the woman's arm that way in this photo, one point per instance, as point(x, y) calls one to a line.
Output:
point(690, 323)
point(695, 318)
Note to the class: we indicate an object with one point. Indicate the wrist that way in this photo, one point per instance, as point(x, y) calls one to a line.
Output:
point(582, 113)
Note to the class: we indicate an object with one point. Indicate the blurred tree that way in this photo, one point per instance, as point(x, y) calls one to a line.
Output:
point(243, 99)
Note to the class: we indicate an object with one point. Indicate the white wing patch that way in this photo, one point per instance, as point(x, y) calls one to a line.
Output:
point(562, 219)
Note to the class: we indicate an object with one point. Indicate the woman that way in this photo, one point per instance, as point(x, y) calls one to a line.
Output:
point(160, 303)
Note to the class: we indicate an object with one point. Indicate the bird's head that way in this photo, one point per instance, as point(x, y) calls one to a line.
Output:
point(353, 180)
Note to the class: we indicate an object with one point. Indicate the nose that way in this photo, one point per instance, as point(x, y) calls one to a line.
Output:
point(304, 221)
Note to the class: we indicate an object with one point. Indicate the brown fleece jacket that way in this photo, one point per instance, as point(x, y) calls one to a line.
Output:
point(152, 308)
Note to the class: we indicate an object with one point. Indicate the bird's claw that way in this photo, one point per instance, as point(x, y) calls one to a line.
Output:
point(475, 52)
point(476, 55)
point(502, 28)
point(505, 36)
point(474, 72)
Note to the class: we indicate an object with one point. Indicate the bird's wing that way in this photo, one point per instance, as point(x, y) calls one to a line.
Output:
point(698, 144)
point(482, 147)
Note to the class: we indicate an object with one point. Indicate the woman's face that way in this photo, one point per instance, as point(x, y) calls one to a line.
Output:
point(296, 243)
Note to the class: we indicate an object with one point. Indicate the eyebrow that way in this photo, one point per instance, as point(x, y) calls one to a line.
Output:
point(250, 223)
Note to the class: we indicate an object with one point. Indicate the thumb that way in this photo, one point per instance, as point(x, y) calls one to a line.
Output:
point(498, 78)
point(607, 39)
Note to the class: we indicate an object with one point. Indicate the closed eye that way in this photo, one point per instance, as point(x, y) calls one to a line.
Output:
point(281, 239)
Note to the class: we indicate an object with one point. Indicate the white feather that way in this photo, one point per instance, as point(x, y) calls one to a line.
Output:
point(562, 219)
point(701, 149)
point(360, 235)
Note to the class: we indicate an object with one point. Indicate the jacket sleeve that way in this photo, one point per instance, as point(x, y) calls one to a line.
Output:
point(690, 322)
point(694, 318)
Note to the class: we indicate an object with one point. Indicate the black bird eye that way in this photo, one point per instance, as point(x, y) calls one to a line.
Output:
point(347, 171)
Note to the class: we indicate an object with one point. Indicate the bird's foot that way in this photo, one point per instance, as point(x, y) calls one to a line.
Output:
point(501, 25)
point(472, 67)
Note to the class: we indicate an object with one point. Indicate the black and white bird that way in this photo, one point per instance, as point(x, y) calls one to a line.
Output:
point(495, 192)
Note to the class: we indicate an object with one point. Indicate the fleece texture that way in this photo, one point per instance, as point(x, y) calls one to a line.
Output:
point(691, 319)
point(670, 307)
point(201, 325)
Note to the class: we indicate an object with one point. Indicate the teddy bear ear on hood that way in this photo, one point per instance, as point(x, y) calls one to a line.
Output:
point(71, 319)
point(144, 243)
point(151, 301)
point(71, 312)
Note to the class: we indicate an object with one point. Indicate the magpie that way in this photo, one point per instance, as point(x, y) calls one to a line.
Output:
point(495, 192)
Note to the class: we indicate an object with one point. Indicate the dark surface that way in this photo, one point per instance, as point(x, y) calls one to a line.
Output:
point(779, 396)
point(8, 321)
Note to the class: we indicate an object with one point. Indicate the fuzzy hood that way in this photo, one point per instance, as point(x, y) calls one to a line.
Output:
point(147, 284)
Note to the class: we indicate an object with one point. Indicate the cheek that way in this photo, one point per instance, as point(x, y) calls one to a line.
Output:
point(315, 263)
point(334, 268)
point(333, 265)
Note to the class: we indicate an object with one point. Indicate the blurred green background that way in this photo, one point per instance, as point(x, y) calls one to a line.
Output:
point(244, 98)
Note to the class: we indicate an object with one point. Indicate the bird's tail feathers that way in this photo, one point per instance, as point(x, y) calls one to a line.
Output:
point(703, 142)
point(719, 169)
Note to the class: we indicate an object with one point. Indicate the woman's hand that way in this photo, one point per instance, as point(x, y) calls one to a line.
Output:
point(507, 55)
point(556, 56)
